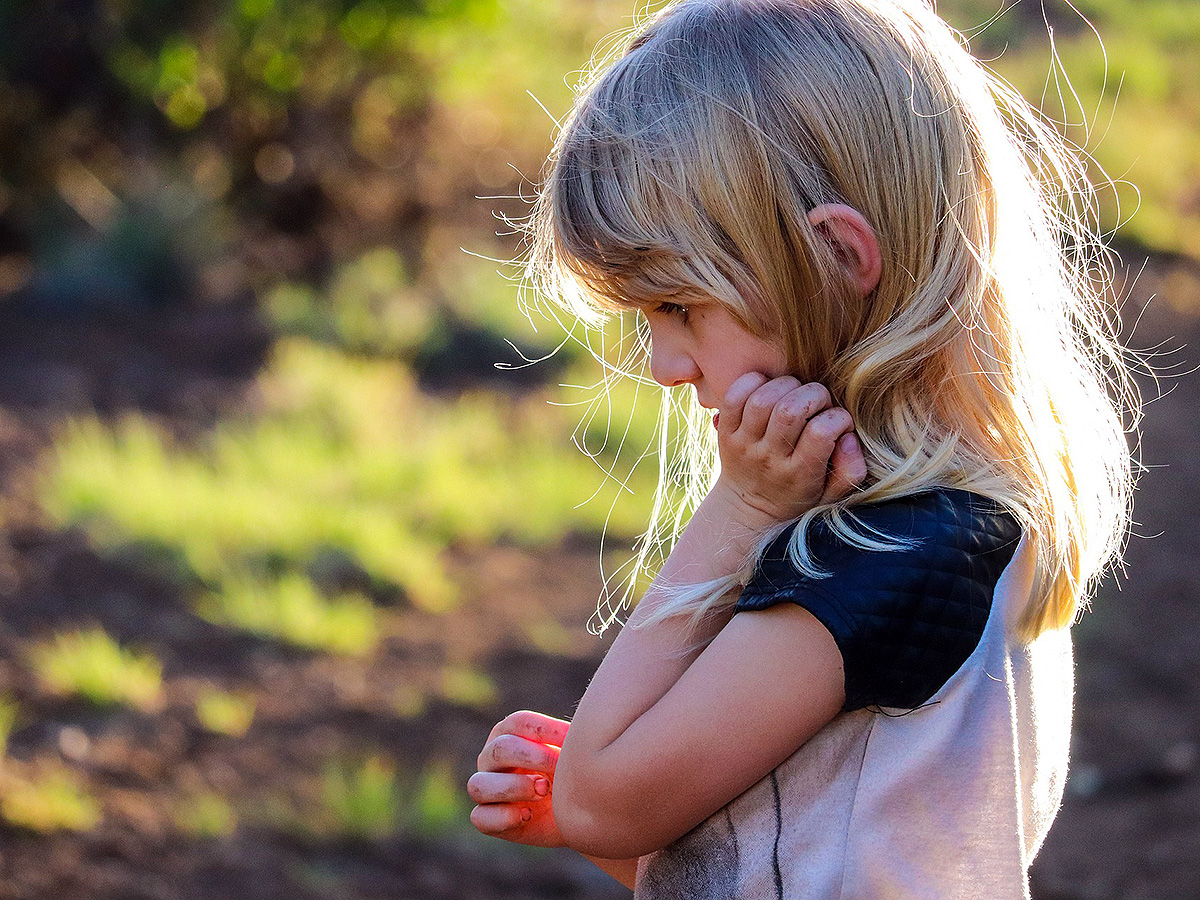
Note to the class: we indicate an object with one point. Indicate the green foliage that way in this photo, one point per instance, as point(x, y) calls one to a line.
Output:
point(53, 801)
point(550, 637)
point(363, 802)
point(1132, 98)
point(309, 477)
point(9, 710)
point(440, 802)
point(91, 665)
point(371, 799)
point(344, 455)
point(468, 687)
point(265, 53)
point(205, 815)
point(369, 308)
point(225, 713)
point(291, 609)
point(408, 701)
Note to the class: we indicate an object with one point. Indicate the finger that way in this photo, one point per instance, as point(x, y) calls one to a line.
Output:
point(792, 413)
point(508, 751)
point(496, 818)
point(756, 412)
point(735, 399)
point(820, 436)
point(847, 468)
point(507, 787)
point(533, 725)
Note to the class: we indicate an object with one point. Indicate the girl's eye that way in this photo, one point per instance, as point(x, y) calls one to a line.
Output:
point(672, 309)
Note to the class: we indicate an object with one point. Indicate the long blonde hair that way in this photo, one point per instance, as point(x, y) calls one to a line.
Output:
point(987, 357)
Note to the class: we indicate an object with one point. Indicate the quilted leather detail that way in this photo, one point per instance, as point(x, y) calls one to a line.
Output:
point(904, 620)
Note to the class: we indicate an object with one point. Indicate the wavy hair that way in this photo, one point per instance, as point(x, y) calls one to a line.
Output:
point(987, 358)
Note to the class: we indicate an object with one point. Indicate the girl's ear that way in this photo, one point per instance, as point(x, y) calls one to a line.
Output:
point(853, 241)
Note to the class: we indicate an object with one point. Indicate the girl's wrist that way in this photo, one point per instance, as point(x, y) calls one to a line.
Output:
point(742, 511)
point(722, 536)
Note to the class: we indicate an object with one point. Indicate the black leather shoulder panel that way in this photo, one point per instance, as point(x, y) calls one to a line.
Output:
point(904, 620)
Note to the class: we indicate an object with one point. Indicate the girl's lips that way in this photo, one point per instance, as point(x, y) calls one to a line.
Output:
point(716, 419)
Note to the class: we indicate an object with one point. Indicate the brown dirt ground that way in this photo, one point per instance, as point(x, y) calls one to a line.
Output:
point(1129, 828)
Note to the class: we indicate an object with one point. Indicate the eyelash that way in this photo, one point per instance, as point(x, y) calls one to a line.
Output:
point(673, 309)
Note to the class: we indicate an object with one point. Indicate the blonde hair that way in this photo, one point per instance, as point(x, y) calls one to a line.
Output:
point(987, 357)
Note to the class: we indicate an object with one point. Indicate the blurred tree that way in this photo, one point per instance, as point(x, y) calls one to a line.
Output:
point(200, 148)
point(145, 140)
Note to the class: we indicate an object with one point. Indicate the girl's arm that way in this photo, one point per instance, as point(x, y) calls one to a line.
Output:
point(659, 744)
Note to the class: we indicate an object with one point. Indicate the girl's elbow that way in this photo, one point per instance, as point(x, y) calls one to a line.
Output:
point(578, 826)
point(595, 829)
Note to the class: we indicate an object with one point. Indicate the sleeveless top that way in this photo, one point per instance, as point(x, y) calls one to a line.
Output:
point(941, 775)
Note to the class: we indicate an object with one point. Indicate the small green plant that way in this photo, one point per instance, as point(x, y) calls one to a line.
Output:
point(225, 713)
point(371, 800)
point(408, 701)
point(90, 664)
point(293, 610)
point(550, 637)
point(362, 802)
point(468, 687)
point(347, 454)
point(439, 803)
point(368, 308)
point(54, 801)
point(205, 815)
point(8, 721)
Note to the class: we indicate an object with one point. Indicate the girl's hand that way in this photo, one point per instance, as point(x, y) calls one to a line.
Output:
point(515, 780)
point(784, 449)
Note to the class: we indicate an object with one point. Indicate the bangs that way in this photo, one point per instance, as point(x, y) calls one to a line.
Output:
point(621, 221)
point(621, 238)
point(612, 211)
point(603, 272)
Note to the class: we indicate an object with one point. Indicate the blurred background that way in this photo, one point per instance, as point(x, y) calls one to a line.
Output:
point(286, 522)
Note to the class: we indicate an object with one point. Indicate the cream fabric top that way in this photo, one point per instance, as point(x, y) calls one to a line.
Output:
point(951, 800)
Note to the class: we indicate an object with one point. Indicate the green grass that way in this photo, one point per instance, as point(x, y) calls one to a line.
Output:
point(9, 710)
point(468, 687)
point(363, 801)
point(1149, 135)
point(291, 609)
point(225, 713)
point(409, 701)
point(205, 815)
point(54, 800)
point(370, 798)
point(91, 665)
point(344, 454)
point(550, 637)
point(439, 804)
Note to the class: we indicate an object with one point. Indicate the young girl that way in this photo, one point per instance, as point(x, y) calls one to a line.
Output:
point(852, 676)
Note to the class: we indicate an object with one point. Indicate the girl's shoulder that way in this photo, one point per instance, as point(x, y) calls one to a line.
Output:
point(908, 617)
point(937, 518)
point(946, 529)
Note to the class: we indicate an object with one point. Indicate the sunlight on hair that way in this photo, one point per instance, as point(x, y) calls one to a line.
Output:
point(987, 358)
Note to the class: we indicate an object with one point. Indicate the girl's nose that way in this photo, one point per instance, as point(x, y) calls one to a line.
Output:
point(672, 365)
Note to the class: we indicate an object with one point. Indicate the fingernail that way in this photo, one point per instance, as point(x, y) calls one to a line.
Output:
point(526, 815)
point(851, 443)
point(541, 787)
